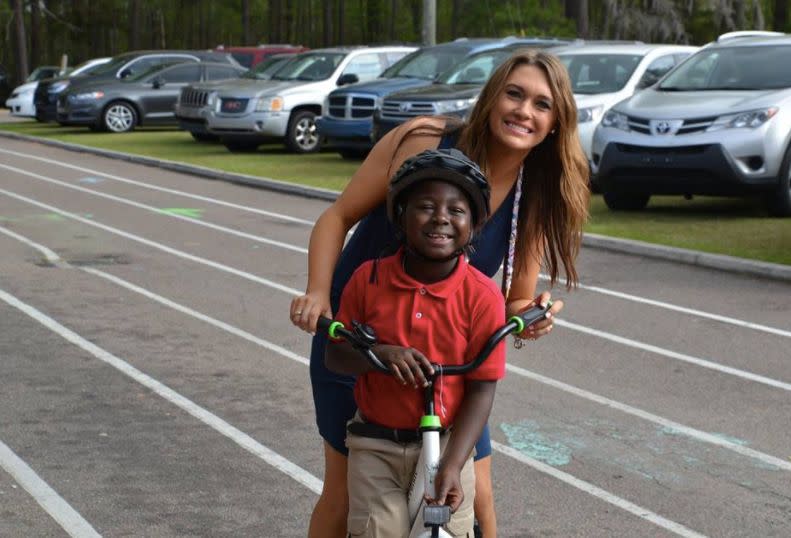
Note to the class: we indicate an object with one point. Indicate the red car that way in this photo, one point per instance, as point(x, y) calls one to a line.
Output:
point(251, 56)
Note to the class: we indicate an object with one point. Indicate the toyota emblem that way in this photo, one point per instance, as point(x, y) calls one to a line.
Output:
point(663, 127)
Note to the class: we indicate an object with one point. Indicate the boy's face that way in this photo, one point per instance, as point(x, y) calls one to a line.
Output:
point(437, 219)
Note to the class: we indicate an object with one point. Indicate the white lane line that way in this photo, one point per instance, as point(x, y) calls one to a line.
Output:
point(207, 199)
point(210, 419)
point(51, 256)
point(154, 244)
point(701, 436)
point(159, 211)
point(703, 363)
point(683, 309)
point(599, 493)
point(577, 483)
point(66, 516)
point(671, 426)
point(597, 289)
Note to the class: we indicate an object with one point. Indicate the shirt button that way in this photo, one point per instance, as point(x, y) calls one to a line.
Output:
point(422, 291)
point(418, 315)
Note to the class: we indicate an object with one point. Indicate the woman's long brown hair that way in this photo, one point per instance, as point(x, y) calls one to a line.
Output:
point(555, 194)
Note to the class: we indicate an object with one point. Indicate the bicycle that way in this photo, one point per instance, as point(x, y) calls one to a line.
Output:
point(362, 338)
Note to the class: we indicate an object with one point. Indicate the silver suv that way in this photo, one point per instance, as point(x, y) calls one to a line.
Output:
point(247, 113)
point(719, 124)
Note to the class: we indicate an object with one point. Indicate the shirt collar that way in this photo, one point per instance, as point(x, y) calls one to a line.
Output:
point(442, 289)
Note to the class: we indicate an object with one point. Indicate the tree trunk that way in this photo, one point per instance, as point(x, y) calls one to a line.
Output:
point(741, 15)
point(35, 33)
point(392, 24)
point(246, 37)
point(134, 24)
point(341, 27)
point(327, 14)
point(454, 18)
point(21, 42)
point(781, 15)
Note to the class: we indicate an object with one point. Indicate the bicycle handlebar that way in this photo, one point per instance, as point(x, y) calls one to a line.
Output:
point(362, 338)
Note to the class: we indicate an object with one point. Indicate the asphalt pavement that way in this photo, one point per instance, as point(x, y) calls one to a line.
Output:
point(152, 384)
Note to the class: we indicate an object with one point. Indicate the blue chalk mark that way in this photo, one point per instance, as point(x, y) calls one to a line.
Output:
point(526, 439)
point(90, 180)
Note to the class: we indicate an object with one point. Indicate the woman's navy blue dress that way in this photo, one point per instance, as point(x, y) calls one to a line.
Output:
point(333, 393)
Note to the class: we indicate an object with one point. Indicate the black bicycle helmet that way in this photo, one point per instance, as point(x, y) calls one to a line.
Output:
point(449, 165)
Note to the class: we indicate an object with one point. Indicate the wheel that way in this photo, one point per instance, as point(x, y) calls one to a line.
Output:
point(620, 201)
point(778, 201)
point(353, 154)
point(302, 136)
point(119, 117)
point(240, 146)
point(205, 137)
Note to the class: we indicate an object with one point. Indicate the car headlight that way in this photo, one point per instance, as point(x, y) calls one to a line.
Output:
point(591, 113)
point(59, 86)
point(744, 120)
point(616, 120)
point(269, 104)
point(87, 96)
point(211, 99)
point(453, 105)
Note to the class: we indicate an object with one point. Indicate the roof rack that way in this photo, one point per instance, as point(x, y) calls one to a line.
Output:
point(747, 33)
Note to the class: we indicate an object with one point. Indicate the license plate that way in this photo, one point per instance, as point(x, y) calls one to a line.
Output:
point(233, 105)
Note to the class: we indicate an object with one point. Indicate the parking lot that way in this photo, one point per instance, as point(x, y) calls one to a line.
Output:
point(153, 385)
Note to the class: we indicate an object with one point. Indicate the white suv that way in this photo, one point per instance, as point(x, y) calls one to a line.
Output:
point(247, 113)
point(604, 74)
point(719, 125)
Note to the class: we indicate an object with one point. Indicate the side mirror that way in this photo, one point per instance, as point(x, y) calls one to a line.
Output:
point(649, 79)
point(348, 78)
point(157, 83)
point(125, 73)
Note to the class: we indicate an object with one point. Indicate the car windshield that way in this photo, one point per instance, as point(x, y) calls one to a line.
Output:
point(112, 66)
point(600, 73)
point(266, 68)
point(475, 69)
point(83, 70)
point(732, 68)
point(40, 73)
point(425, 64)
point(147, 73)
point(310, 66)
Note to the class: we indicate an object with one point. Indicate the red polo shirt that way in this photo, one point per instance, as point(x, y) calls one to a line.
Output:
point(448, 321)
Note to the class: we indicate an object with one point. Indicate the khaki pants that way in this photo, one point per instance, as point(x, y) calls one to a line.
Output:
point(380, 474)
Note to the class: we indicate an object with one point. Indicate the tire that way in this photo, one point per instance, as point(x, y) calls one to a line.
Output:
point(241, 146)
point(119, 117)
point(353, 154)
point(778, 201)
point(302, 136)
point(619, 201)
point(205, 137)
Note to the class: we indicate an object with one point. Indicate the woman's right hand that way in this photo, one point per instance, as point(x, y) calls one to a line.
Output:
point(306, 309)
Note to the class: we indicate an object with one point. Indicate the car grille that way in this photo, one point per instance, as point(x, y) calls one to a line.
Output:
point(232, 105)
point(660, 151)
point(693, 125)
point(193, 97)
point(352, 106)
point(400, 110)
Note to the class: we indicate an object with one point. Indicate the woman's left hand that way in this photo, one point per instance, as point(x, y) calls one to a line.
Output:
point(544, 326)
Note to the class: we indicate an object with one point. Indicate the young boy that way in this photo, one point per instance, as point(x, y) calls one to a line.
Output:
point(426, 304)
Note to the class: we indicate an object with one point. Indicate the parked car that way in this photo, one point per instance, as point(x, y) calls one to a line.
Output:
point(21, 101)
point(250, 57)
point(719, 124)
point(604, 74)
point(121, 66)
point(196, 100)
point(454, 92)
point(121, 105)
point(247, 114)
point(347, 115)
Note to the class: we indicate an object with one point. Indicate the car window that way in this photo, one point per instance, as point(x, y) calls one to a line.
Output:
point(181, 74)
point(214, 72)
point(733, 68)
point(599, 73)
point(310, 66)
point(476, 69)
point(426, 64)
point(656, 70)
point(365, 66)
point(145, 63)
point(244, 58)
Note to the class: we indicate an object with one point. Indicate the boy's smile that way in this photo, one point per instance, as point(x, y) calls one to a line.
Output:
point(437, 221)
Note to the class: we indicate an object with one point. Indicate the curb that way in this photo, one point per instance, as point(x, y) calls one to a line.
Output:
point(720, 262)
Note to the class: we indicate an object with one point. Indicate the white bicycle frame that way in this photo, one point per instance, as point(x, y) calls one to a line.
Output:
point(423, 483)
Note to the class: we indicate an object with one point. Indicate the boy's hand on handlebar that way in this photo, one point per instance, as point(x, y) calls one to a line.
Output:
point(544, 326)
point(448, 488)
point(408, 365)
point(306, 309)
